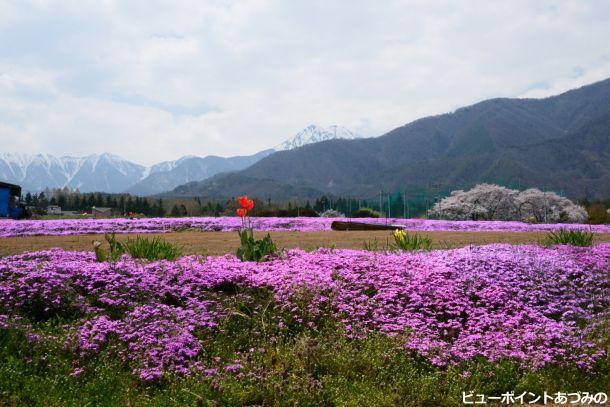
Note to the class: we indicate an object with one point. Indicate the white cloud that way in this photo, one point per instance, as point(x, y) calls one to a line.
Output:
point(154, 80)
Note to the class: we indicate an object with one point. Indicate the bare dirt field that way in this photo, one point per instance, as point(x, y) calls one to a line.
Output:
point(216, 243)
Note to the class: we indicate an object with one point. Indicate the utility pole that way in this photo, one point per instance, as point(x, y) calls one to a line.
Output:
point(389, 207)
point(404, 204)
point(427, 206)
point(437, 193)
point(380, 204)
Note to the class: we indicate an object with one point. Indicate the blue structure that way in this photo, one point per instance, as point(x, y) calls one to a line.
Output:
point(9, 201)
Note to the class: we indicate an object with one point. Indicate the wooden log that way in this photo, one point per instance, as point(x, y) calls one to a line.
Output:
point(342, 225)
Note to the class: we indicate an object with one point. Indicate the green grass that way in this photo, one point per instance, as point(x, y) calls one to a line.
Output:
point(138, 248)
point(303, 366)
point(411, 242)
point(571, 237)
point(151, 249)
point(402, 241)
point(252, 249)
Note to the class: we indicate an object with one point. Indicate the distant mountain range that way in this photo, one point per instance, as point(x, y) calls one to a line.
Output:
point(167, 175)
point(561, 143)
point(103, 172)
point(110, 173)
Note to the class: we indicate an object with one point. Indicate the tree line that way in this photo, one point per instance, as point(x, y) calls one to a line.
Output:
point(84, 202)
point(397, 205)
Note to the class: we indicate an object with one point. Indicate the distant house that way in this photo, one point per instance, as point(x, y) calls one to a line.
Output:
point(53, 210)
point(101, 212)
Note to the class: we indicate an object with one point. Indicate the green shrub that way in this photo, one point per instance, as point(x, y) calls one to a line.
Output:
point(365, 213)
point(138, 248)
point(151, 249)
point(571, 237)
point(404, 241)
point(255, 250)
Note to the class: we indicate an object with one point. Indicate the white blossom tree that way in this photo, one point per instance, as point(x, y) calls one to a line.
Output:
point(484, 201)
point(494, 202)
point(543, 206)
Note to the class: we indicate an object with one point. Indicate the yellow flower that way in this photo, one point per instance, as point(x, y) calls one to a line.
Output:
point(399, 234)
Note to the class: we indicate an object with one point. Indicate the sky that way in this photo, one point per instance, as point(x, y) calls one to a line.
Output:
point(154, 80)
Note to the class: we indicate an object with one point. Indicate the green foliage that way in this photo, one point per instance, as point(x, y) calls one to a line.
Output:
point(572, 237)
point(365, 213)
point(404, 241)
point(116, 249)
point(255, 250)
point(138, 248)
point(151, 249)
point(294, 365)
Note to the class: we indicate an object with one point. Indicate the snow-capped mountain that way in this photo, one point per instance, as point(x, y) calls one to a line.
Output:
point(97, 172)
point(167, 175)
point(315, 134)
point(113, 174)
point(110, 173)
point(165, 166)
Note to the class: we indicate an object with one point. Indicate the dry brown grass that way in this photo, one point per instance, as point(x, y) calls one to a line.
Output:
point(216, 243)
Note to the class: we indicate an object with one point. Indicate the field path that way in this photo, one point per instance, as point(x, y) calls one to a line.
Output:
point(218, 243)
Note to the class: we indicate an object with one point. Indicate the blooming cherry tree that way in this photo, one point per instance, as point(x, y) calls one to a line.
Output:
point(548, 207)
point(483, 202)
point(494, 202)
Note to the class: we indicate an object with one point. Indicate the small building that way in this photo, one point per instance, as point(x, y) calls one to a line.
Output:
point(102, 212)
point(9, 201)
point(54, 210)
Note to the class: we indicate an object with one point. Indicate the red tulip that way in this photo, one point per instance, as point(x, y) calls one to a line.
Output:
point(241, 212)
point(249, 204)
point(245, 202)
point(242, 201)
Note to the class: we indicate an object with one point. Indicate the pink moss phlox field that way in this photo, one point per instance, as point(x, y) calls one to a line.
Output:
point(529, 304)
point(9, 228)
